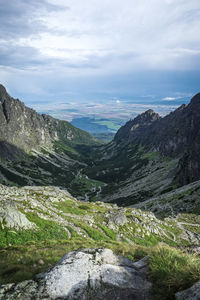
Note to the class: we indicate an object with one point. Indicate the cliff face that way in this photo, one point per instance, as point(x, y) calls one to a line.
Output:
point(177, 135)
point(134, 129)
point(189, 164)
point(178, 132)
point(150, 155)
point(26, 129)
point(173, 135)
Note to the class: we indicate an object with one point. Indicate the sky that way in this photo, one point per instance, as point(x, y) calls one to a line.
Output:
point(52, 51)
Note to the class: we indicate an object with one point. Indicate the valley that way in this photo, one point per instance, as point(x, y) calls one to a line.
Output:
point(62, 189)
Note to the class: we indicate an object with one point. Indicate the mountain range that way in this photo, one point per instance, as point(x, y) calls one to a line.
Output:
point(56, 178)
point(149, 156)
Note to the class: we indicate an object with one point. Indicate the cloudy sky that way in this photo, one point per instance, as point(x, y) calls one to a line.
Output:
point(61, 50)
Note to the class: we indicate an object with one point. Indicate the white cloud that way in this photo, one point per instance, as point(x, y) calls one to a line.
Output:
point(169, 98)
point(149, 34)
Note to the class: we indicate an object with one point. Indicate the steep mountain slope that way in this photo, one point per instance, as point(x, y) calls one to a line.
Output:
point(177, 134)
point(137, 127)
point(40, 150)
point(150, 155)
point(185, 199)
point(25, 129)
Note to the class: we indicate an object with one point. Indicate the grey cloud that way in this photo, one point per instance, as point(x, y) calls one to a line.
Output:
point(18, 56)
point(19, 18)
point(107, 42)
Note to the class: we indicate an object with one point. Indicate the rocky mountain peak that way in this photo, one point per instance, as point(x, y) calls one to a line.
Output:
point(149, 112)
point(195, 101)
point(147, 116)
point(181, 107)
point(135, 126)
point(2, 89)
point(3, 93)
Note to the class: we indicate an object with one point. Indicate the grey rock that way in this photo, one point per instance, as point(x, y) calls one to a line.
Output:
point(27, 289)
point(83, 275)
point(118, 218)
point(136, 126)
point(192, 293)
point(143, 263)
point(11, 217)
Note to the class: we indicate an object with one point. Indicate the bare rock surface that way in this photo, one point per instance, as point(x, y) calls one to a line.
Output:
point(11, 217)
point(192, 293)
point(83, 275)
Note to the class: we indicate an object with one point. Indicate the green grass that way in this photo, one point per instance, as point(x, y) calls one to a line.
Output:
point(73, 232)
point(93, 233)
point(189, 218)
point(46, 230)
point(172, 270)
point(61, 147)
point(82, 185)
point(109, 232)
point(151, 155)
point(22, 262)
point(192, 228)
point(67, 207)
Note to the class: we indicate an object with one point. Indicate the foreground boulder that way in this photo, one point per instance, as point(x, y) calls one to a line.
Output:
point(192, 293)
point(83, 275)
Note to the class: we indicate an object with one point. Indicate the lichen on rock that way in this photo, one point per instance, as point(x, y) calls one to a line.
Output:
point(83, 275)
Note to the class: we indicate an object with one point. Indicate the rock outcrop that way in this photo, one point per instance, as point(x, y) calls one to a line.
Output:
point(44, 211)
point(173, 134)
point(192, 293)
point(135, 128)
point(11, 217)
point(85, 275)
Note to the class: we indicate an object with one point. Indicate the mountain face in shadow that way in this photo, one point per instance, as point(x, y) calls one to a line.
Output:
point(27, 130)
point(150, 155)
point(175, 135)
point(39, 149)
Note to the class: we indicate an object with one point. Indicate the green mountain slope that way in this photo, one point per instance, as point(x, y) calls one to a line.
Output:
point(40, 150)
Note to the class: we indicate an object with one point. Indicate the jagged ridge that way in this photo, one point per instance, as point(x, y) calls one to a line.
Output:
point(25, 129)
